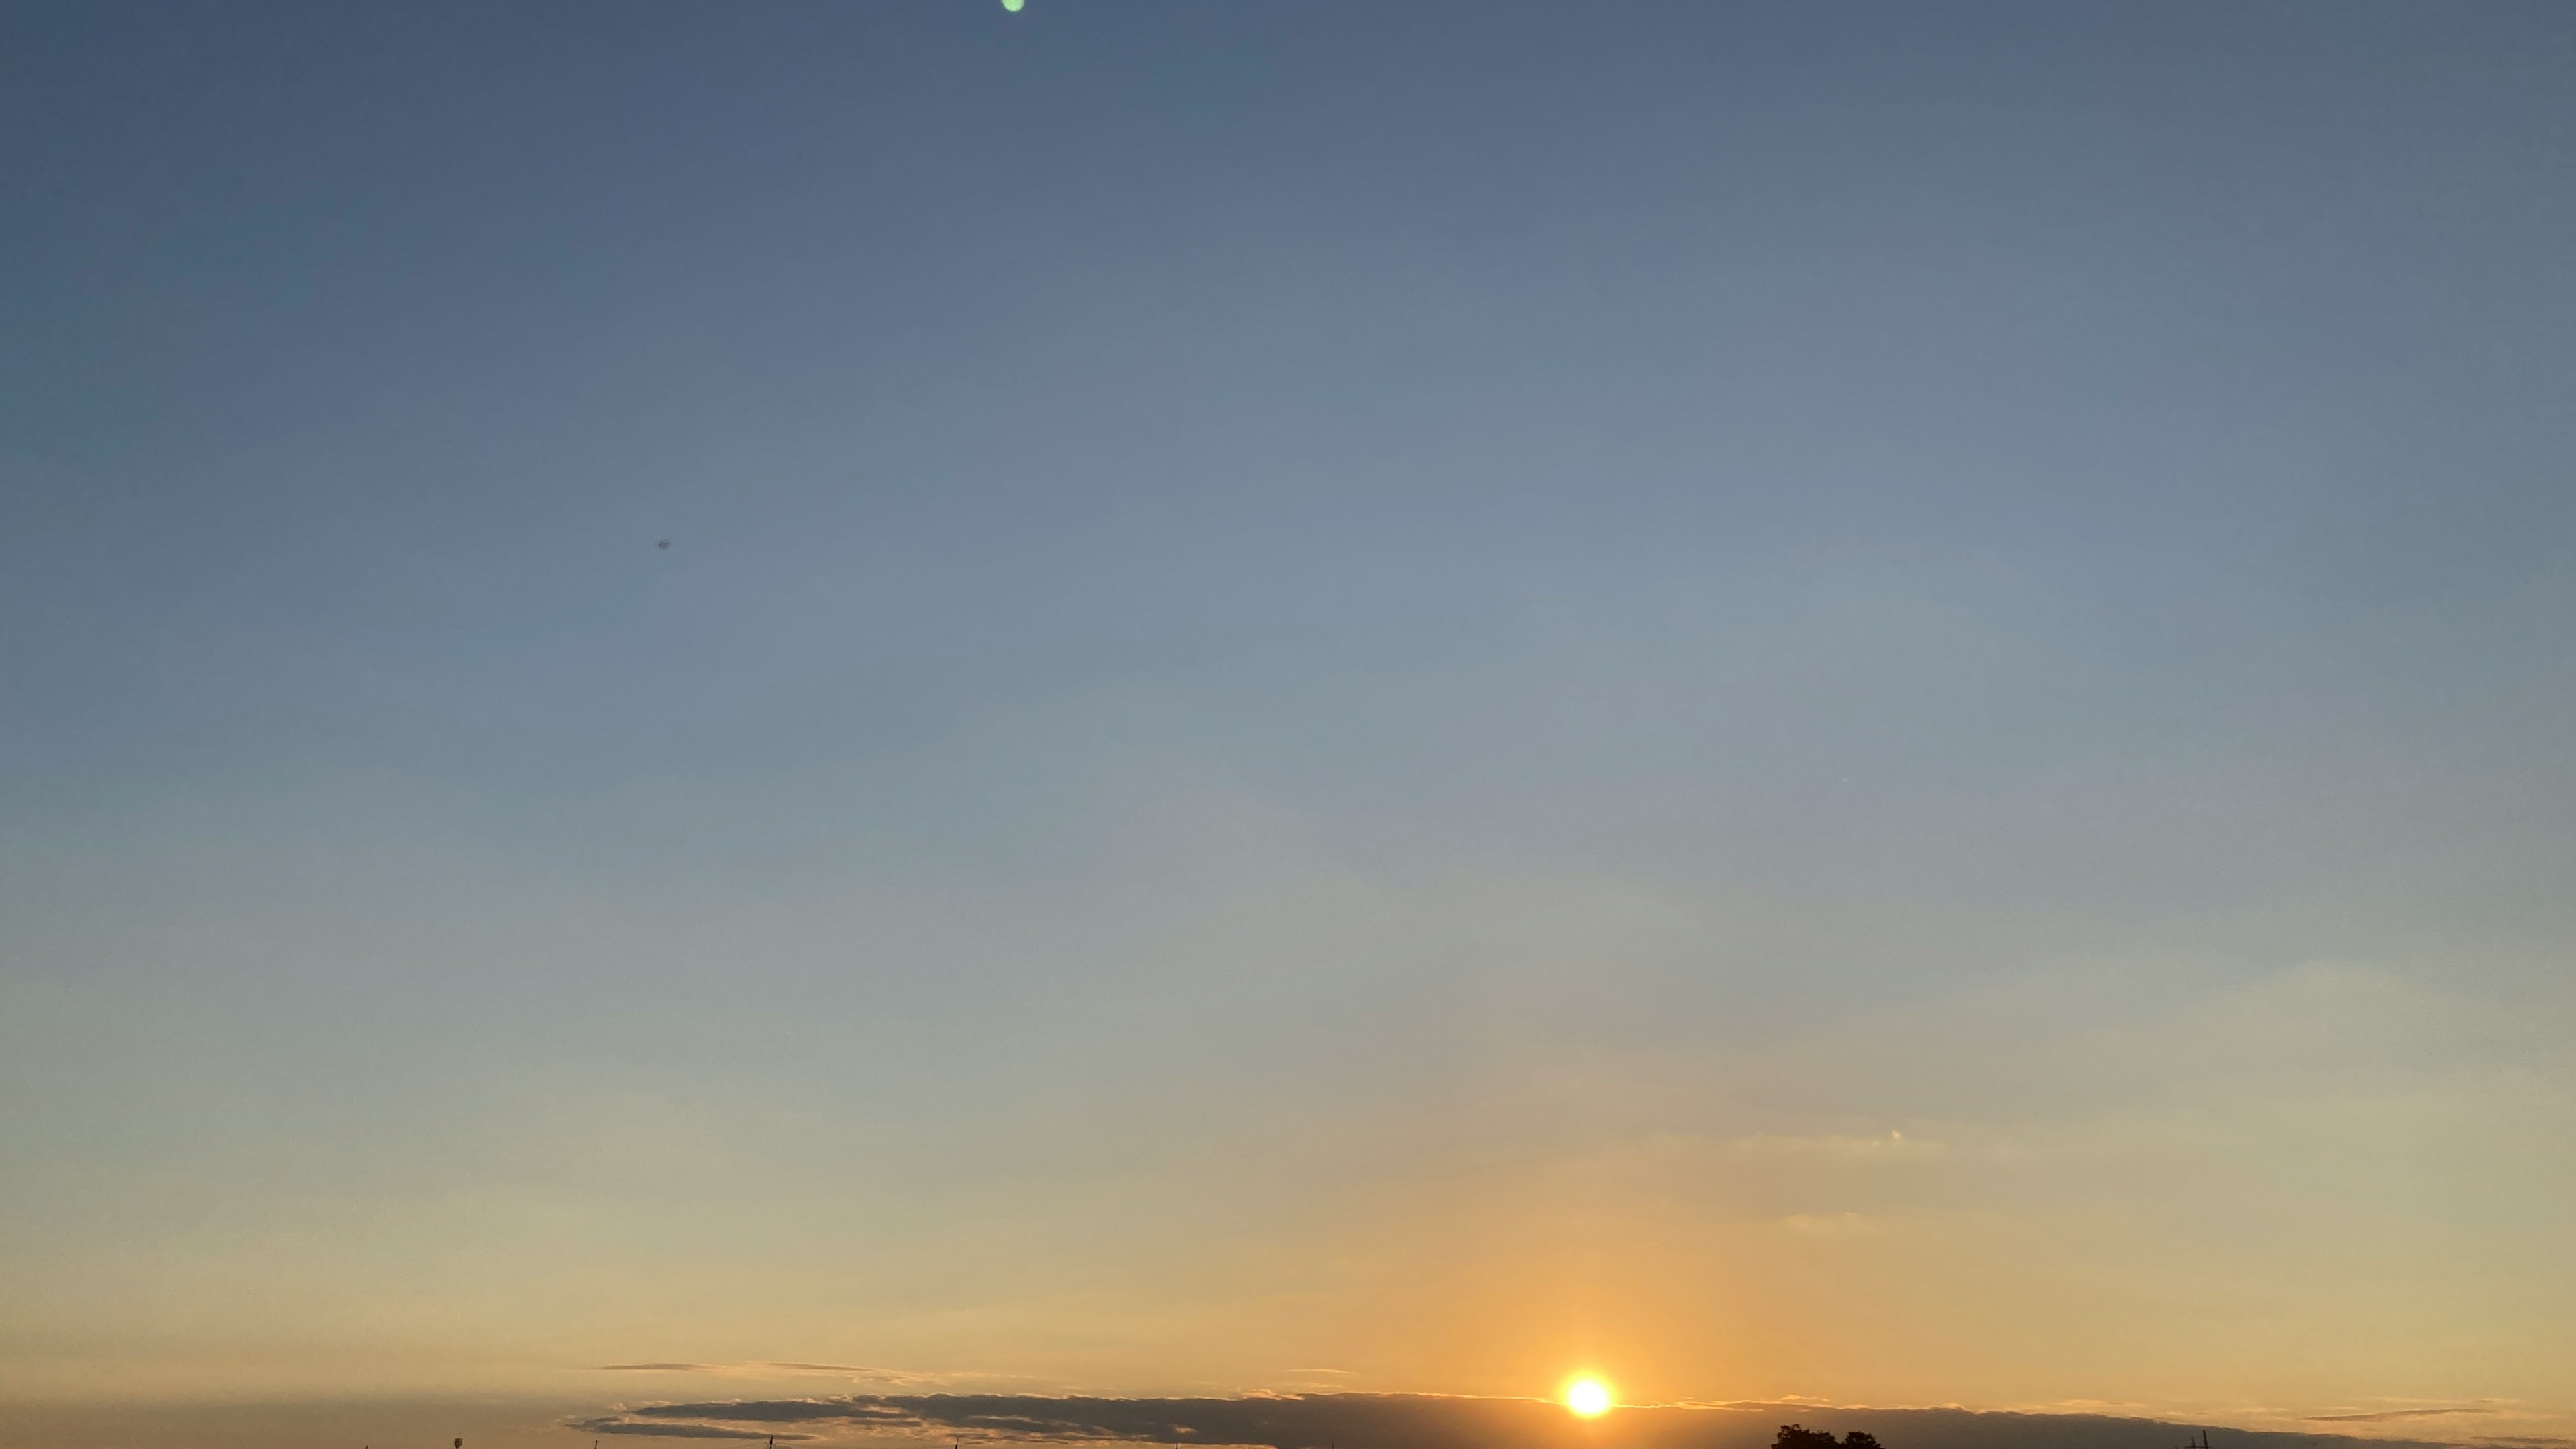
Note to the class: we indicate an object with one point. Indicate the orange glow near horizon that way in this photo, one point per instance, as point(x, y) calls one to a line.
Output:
point(1587, 1396)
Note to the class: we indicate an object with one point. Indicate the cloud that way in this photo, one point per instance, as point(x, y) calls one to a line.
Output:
point(1831, 1225)
point(754, 1369)
point(2387, 1416)
point(674, 1431)
point(1892, 1147)
point(1408, 1421)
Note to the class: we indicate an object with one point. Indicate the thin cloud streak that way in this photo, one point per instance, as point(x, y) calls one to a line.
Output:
point(1416, 1421)
point(684, 1431)
point(759, 1368)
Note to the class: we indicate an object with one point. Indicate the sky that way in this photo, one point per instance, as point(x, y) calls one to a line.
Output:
point(1860, 704)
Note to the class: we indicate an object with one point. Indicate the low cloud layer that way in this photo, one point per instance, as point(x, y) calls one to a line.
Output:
point(1393, 1421)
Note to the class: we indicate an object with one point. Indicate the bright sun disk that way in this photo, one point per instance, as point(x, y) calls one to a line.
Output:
point(1588, 1397)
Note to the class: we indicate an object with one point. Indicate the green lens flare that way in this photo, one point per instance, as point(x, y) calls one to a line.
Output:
point(1013, 5)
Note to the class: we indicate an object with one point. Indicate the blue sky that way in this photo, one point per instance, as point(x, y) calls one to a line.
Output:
point(1430, 690)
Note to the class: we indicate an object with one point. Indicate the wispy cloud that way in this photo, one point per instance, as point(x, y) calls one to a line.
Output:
point(1831, 1225)
point(1892, 1146)
point(767, 1368)
point(2387, 1416)
point(1412, 1421)
point(678, 1431)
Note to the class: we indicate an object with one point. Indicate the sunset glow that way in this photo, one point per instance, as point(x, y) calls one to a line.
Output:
point(1166, 725)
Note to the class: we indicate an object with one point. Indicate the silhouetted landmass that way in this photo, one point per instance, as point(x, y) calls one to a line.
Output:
point(1799, 1436)
point(1421, 1421)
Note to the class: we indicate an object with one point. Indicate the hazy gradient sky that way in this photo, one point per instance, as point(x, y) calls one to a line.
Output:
point(1871, 701)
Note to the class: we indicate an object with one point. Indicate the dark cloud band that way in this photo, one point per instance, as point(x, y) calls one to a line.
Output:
point(1395, 1421)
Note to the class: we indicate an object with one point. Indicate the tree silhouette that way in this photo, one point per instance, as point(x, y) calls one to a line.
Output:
point(1798, 1436)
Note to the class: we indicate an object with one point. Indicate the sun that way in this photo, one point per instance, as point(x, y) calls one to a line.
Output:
point(1587, 1396)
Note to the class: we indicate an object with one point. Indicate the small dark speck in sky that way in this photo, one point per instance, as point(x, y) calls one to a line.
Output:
point(665, 543)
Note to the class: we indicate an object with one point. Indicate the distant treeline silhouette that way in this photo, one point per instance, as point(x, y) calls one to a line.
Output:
point(1798, 1436)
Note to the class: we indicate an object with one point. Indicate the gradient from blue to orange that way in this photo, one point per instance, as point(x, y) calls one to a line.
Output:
point(1867, 701)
